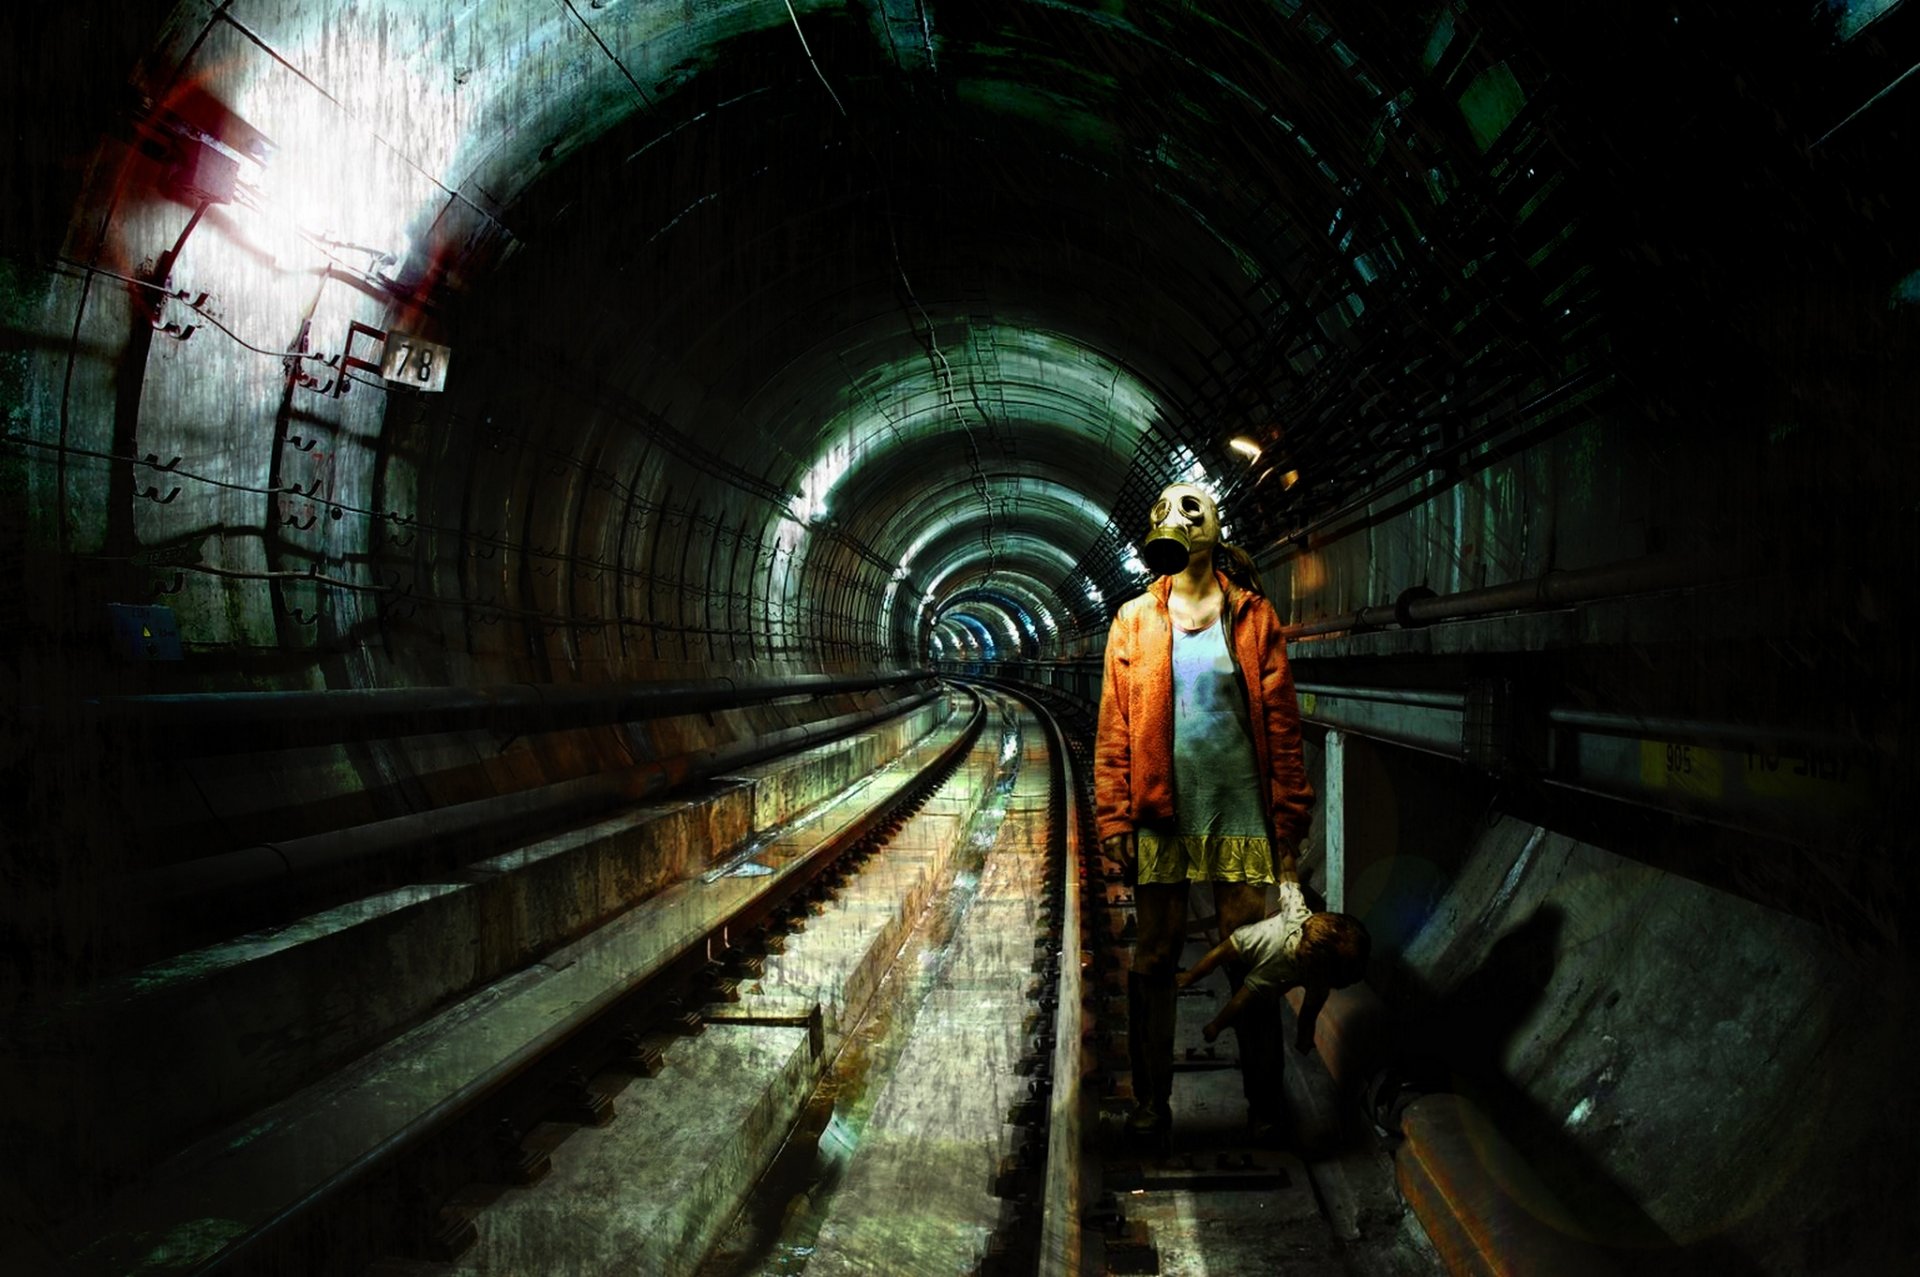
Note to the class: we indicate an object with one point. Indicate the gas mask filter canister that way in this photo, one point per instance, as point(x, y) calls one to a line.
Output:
point(1166, 550)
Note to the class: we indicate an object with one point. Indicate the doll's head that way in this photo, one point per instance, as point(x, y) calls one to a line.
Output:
point(1333, 949)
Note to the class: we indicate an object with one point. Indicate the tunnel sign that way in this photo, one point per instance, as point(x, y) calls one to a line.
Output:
point(411, 361)
point(145, 633)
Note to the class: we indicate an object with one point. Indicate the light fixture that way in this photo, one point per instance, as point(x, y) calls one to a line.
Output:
point(1245, 447)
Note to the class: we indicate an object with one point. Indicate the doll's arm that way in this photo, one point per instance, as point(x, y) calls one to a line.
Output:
point(1201, 969)
point(1228, 1013)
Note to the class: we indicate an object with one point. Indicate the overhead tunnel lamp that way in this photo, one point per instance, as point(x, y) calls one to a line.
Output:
point(1245, 447)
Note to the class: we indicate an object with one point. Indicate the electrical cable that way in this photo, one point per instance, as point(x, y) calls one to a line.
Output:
point(638, 91)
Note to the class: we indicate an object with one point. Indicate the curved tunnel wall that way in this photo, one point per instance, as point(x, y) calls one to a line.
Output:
point(792, 340)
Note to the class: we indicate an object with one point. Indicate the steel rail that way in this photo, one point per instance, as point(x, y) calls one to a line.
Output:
point(1066, 1190)
point(1060, 1249)
point(557, 1041)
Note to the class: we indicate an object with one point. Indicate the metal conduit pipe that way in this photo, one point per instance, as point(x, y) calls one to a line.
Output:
point(1387, 695)
point(242, 720)
point(485, 821)
point(1553, 589)
point(1731, 735)
point(1702, 731)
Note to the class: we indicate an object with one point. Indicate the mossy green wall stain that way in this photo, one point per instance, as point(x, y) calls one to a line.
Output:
point(17, 303)
point(1500, 513)
point(1583, 462)
point(1907, 291)
point(1054, 110)
point(186, 1246)
point(1437, 42)
point(1489, 103)
point(1856, 14)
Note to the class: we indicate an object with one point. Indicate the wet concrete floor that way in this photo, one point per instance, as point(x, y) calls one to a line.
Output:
point(890, 1166)
point(1214, 1204)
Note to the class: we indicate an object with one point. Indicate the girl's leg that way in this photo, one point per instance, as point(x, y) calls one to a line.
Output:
point(1161, 917)
point(1261, 1056)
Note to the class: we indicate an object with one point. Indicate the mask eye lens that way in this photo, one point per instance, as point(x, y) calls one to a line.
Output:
point(1190, 505)
point(1160, 510)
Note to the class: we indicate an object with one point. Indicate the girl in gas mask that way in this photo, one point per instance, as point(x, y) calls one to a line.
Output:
point(1198, 778)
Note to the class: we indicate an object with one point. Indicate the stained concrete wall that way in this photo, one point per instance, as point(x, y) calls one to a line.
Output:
point(1710, 1083)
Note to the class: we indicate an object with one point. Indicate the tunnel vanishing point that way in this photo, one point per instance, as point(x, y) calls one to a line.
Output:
point(422, 418)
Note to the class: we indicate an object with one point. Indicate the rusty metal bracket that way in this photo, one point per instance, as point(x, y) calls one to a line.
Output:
point(348, 360)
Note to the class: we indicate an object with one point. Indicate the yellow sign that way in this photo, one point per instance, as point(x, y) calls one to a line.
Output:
point(1821, 779)
point(1687, 769)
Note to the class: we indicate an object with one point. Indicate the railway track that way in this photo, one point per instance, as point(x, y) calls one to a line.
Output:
point(885, 1036)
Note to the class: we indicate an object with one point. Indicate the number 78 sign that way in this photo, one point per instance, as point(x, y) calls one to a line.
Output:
point(411, 361)
point(405, 360)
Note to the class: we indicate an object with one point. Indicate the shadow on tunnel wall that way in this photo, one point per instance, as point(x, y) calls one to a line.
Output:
point(1456, 1039)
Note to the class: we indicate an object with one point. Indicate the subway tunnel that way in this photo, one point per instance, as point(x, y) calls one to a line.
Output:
point(429, 423)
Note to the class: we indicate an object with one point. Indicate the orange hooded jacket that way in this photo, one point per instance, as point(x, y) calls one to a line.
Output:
point(1133, 745)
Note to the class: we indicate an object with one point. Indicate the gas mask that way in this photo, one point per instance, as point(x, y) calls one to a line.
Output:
point(1185, 519)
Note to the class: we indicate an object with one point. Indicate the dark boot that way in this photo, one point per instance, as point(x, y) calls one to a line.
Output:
point(1263, 1063)
point(1150, 1016)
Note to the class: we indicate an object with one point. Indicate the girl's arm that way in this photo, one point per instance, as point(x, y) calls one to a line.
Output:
point(1290, 795)
point(1113, 749)
point(1286, 861)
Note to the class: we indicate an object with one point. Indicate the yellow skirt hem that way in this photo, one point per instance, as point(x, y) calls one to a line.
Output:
point(1168, 859)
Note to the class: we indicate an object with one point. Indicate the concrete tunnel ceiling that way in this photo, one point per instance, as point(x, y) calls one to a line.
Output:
point(950, 358)
point(794, 314)
point(777, 327)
